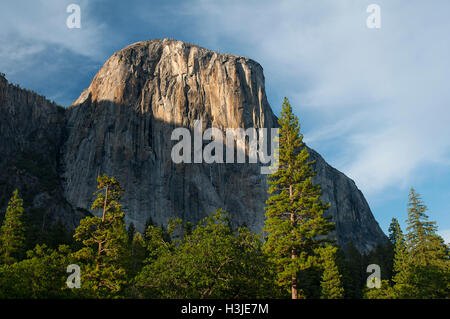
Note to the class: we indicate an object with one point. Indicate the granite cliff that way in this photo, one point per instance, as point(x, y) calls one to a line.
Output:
point(32, 129)
point(121, 125)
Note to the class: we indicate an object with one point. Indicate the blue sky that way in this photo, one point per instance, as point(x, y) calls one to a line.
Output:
point(373, 102)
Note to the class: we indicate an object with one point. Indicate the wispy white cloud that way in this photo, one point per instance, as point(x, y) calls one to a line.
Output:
point(31, 27)
point(380, 95)
point(445, 234)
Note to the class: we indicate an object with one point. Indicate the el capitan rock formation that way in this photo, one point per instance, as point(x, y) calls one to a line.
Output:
point(121, 125)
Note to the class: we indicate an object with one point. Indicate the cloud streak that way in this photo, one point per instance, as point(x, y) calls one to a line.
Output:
point(29, 26)
point(40, 52)
point(374, 103)
point(445, 234)
point(381, 95)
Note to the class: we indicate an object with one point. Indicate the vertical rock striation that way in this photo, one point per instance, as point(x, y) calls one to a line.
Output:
point(32, 130)
point(121, 125)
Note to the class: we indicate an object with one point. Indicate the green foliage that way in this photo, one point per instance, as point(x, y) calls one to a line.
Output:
point(385, 292)
point(214, 260)
point(131, 231)
point(295, 225)
point(331, 284)
point(41, 275)
point(381, 255)
point(421, 261)
point(394, 231)
point(105, 240)
point(210, 262)
point(353, 268)
point(58, 234)
point(138, 254)
point(12, 233)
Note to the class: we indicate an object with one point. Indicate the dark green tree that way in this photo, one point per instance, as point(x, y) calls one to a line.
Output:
point(331, 284)
point(212, 261)
point(41, 275)
point(357, 270)
point(295, 225)
point(59, 235)
point(138, 254)
point(343, 266)
point(381, 255)
point(12, 232)
point(400, 271)
point(426, 268)
point(421, 260)
point(131, 231)
point(394, 229)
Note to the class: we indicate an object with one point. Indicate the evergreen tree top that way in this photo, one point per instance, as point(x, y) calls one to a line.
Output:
point(12, 232)
point(418, 224)
point(394, 231)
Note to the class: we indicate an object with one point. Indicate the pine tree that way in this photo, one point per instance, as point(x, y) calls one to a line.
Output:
point(295, 224)
point(12, 232)
point(131, 231)
point(421, 259)
point(58, 235)
point(105, 239)
point(397, 239)
point(138, 254)
point(331, 284)
point(402, 266)
point(427, 254)
point(357, 271)
point(343, 265)
point(421, 262)
point(394, 229)
point(419, 229)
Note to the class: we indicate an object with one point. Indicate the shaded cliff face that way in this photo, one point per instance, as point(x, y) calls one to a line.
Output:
point(349, 209)
point(31, 133)
point(122, 124)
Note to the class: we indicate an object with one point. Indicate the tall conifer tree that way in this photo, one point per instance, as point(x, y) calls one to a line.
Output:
point(394, 229)
point(331, 284)
point(12, 232)
point(419, 230)
point(428, 255)
point(295, 224)
point(105, 239)
point(401, 265)
point(421, 261)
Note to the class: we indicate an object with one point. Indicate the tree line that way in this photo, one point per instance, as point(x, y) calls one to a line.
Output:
point(294, 257)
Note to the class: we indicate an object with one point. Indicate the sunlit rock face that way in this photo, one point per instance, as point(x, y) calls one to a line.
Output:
point(122, 124)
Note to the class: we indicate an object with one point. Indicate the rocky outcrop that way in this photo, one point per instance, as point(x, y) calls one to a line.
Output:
point(121, 125)
point(32, 130)
point(349, 209)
